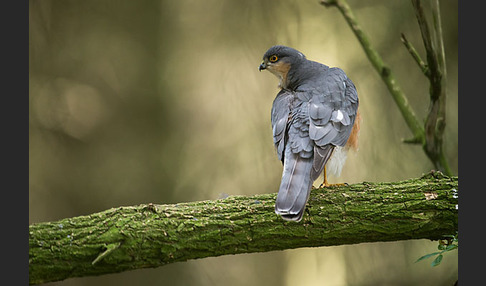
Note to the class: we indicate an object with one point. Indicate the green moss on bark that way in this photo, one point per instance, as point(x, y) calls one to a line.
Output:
point(127, 238)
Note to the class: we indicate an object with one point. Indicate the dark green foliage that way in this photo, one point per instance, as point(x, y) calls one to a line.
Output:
point(451, 242)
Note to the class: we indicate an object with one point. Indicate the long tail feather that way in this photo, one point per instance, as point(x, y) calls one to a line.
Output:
point(294, 187)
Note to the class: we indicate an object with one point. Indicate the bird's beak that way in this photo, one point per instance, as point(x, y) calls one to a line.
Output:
point(262, 66)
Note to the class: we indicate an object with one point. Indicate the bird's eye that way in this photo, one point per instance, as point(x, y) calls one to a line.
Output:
point(273, 58)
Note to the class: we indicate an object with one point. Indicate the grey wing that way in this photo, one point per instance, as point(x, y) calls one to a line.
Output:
point(280, 119)
point(332, 111)
point(298, 130)
point(297, 159)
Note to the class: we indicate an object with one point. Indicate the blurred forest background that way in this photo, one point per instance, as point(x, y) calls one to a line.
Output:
point(145, 101)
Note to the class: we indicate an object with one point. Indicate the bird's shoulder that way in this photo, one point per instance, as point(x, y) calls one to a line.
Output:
point(323, 75)
point(323, 81)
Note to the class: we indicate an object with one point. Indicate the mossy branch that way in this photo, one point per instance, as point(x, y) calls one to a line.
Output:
point(149, 235)
point(430, 134)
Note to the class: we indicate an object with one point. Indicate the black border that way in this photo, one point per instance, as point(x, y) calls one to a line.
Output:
point(15, 141)
point(471, 168)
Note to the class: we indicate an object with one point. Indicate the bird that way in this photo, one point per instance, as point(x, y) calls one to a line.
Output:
point(315, 121)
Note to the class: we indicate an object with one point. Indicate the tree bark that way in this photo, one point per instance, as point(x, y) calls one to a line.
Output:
point(150, 235)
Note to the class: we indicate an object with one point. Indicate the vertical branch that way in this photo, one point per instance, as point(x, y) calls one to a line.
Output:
point(435, 121)
point(429, 135)
point(439, 38)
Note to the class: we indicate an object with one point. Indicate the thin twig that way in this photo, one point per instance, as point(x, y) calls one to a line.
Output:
point(413, 52)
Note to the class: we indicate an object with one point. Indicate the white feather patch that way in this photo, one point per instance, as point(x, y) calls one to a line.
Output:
point(339, 115)
point(336, 163)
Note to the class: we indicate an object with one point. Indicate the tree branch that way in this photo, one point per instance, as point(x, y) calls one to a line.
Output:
point(413, 52)
point(430, 134)
point(150, 235)
point(383, 70)
point(435, 121)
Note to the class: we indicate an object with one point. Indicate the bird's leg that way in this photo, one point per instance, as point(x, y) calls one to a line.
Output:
point(325, 183)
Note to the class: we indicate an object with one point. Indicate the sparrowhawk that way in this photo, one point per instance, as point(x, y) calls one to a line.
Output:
point(313, 116)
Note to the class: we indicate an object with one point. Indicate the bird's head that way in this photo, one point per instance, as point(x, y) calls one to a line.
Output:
point(279, 60)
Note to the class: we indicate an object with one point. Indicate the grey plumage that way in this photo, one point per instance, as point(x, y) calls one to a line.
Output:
point(314, 111)
point(294, 187)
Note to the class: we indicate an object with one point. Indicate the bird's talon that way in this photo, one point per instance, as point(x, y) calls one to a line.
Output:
point(323, 185)
point(339, 185)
